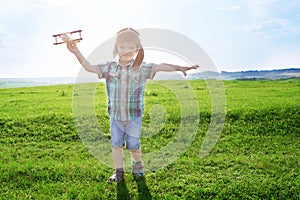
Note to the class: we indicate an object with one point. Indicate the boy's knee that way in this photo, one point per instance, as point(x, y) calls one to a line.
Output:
point(133, 146)
point(118, 147)
point(117, 142)
point(135, 150)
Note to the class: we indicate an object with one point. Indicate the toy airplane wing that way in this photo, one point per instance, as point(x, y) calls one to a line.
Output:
point(61, 38)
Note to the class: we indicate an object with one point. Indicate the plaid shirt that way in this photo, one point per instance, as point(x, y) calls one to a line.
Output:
point(125, 89)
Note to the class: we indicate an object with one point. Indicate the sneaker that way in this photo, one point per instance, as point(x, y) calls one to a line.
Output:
point(117, 176)
point(138, 169)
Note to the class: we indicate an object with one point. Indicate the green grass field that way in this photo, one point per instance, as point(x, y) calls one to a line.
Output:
point(256, 157)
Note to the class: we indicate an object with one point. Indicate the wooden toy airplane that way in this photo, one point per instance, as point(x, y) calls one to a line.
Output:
point(66, 37)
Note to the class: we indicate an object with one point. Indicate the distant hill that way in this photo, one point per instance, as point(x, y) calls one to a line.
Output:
point(253, 74)
point(262, 74)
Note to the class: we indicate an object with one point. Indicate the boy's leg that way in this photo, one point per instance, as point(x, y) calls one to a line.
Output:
point(133, 130)
point(117, 133)
point(118, 157)
point(136, 155)
point(117, 142)
point(137, 167)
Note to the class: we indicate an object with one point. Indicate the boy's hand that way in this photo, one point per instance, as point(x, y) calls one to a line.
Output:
point(72, 47)
point(185, 69)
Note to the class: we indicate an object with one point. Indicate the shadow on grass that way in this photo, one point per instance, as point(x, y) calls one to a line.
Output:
point(122, 191)
point(143, 190)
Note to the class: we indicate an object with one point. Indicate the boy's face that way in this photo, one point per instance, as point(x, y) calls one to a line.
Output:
point(126, 51)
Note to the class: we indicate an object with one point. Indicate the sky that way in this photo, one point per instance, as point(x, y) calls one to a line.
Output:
point(238, 35)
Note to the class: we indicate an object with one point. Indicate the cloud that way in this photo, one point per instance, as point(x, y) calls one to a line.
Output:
point(3, 36)
point(270, 28)
point(260, 8)
point(18, 7)
point(261, 2)
point(230, 8)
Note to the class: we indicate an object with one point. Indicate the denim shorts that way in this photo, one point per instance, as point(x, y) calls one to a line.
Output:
point(125, 130)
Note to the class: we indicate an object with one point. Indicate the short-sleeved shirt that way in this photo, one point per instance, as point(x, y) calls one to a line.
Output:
point(125, 89)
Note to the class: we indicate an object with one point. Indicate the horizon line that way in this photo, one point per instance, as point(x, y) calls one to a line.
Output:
point(74, 77)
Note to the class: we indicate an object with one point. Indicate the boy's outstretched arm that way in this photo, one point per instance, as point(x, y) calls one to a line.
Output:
point(85, 63)
point(165, 67)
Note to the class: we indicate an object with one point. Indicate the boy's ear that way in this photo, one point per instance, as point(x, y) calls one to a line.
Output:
point(139, 59)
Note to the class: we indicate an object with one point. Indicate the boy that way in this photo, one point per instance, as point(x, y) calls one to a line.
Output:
point(125, 85)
